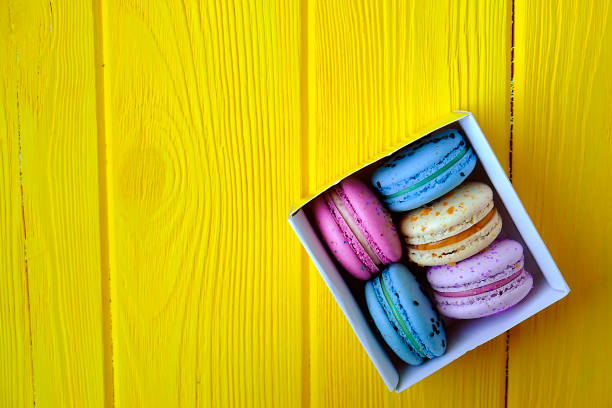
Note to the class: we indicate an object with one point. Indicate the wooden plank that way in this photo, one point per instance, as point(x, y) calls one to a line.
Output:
point(562, 172)
point(378, 74)
point(15, 359)
point(204, 136)
point(53, 133)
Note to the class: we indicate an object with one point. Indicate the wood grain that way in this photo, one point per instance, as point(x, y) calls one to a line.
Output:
point(378, 75)
point(15, 351)
point(204, 135)
point(52, 135)
point(562, 172)
point(53, 88)
point(213, 119)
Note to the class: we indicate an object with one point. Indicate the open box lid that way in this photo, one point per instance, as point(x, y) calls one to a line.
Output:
point(462, 335)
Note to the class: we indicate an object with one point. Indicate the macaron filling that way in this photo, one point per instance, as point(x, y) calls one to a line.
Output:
point(432, 176)
point(500, 292)
point(358, 232)
point(483, 289)
point(389, 306)
point(458, 237)
point(350, 237)
point(370, 242)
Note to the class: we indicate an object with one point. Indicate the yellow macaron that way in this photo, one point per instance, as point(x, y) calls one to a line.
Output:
point(452, 228)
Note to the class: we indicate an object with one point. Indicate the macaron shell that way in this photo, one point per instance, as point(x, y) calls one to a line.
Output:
point(343, 245)
point(387, 331)
point(372, 218)
point(345, 215)
point(486, 304)
point(500, 260)
point(418, 161)
point(449, 215)
point(461, 250)
point(418, 309)
point(440, 185)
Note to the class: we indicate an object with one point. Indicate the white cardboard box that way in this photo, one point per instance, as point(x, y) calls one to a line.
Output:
point(462, 335)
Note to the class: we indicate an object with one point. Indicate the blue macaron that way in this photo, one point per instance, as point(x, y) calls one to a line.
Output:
point(404, 316)
point(425, 170)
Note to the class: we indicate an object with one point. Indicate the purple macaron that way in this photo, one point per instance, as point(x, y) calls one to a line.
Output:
point(484, 284)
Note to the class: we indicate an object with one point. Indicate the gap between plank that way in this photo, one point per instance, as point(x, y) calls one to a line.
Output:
point(305, 187)
point(105, 276)
point(25, 233)
point(304, 99)
point(510, 171)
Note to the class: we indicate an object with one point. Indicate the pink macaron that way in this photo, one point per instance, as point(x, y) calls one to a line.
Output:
point(357, 229)
point(484, 284)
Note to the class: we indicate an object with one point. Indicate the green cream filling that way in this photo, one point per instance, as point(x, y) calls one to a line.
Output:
point(399, 318)
point(431, 177)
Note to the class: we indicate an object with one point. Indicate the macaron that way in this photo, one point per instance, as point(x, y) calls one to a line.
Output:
point(485, 284)
point(452, 228)
point(424, 170)
point(404, 316)
point(357, 229)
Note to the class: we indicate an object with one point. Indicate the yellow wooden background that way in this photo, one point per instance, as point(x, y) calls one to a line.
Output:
point(150, 151)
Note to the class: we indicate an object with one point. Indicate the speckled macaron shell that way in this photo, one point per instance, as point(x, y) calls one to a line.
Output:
point(354, 225)
point(415, 309)
point(341, 242)
point(458, 251)
point(472, 307)
point(374, 220)
point(425, 170)
point(449, 216)
point(492, 281)
point(498, 261)
point(388, 330)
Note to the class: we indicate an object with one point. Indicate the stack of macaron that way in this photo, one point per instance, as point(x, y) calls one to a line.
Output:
point(446, 223)
point(361, 235)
